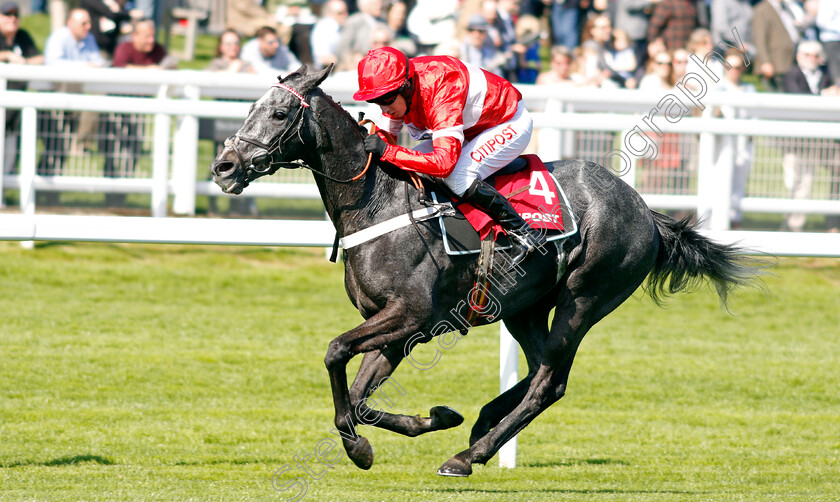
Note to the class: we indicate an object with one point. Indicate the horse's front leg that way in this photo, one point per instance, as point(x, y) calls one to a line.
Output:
point(388, 326)
point(375, 375)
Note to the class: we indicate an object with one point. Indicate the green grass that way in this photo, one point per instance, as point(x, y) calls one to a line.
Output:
point(136, 372)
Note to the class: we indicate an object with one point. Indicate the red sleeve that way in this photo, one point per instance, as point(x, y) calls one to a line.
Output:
point(439, 163)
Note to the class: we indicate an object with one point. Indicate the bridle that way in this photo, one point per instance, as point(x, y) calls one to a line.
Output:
point(292, 130)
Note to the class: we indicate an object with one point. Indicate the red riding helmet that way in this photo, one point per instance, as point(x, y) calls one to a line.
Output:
point(382, 71)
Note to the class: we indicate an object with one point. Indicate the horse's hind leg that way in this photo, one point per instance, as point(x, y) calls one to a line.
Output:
point(374, 373)
point(530, 328)
point(592, 289)
point(546, 387)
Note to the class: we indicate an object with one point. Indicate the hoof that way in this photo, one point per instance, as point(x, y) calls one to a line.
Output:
point(444, 417)
point(455, 466)
point(360, 452)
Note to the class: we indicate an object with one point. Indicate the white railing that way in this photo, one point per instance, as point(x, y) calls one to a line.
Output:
point(559, 114)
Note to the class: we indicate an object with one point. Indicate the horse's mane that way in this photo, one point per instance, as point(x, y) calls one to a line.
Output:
point(337, 106)
point(388, 184)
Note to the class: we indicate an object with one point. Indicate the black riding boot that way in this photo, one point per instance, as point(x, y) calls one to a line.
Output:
point(522, 236)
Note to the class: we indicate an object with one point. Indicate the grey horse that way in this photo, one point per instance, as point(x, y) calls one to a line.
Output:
point(408, 290)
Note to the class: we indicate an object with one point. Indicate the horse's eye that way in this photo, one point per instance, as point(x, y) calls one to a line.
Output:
point(280, 115)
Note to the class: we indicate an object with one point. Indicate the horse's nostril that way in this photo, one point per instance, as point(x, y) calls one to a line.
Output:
point(223, 168)
point(259, 160)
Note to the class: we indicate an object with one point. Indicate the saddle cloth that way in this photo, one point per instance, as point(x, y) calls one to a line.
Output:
point(538, 198)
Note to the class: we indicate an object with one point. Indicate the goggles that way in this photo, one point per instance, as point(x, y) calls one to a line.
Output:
point(386, 99)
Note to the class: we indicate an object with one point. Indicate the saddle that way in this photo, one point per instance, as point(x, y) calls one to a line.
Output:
point(532, 190)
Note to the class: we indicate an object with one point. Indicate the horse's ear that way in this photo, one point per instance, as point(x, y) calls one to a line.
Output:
point(315, 79)
point(300, 72)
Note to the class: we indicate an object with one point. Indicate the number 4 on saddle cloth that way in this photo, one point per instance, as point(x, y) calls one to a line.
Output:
point(534, 193)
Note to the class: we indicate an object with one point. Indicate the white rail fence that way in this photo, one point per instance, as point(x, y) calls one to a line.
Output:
point(565, 124)
point(572, 123)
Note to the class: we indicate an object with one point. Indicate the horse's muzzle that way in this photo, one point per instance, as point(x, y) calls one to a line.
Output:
point(228, 175)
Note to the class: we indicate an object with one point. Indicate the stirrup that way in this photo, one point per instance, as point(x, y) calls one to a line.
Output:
point(526, 241)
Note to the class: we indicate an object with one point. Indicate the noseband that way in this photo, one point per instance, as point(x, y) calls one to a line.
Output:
point(274, 146)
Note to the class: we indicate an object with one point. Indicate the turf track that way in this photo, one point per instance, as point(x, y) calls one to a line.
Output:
point(191, 373)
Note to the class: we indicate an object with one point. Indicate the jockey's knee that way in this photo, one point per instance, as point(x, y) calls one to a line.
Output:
point(458, 184)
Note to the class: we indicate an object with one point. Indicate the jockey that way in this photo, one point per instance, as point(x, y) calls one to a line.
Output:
point(476, 120)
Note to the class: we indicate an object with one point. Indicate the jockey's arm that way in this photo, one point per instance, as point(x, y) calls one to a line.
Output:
point(439, 163)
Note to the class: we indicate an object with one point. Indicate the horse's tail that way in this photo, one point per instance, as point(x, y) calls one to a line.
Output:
point(685, 258)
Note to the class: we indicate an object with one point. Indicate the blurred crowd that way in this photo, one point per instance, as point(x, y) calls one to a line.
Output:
point(790, 45)
point(786, 45)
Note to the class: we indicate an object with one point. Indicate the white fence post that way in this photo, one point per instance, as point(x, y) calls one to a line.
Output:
point(185, 158)
point(550, 139)
point(28, 160)
point(707, 178)
point(722, 170)
point(160, 165)
point(628, 176)
point(508, 376)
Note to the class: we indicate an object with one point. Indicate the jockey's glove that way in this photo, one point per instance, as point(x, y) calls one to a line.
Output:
point(375, 145)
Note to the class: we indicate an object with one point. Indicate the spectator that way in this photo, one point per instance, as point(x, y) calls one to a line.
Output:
point(633, 16)
point(562, 61)
point(596, 38)
point(381, 37)
point(296, 23)
point(737, 151)
point(16, 47)
point(356, 35)
point(658, 73)
point(227, 55)
point(142, 51)
point(247, 16)
point(729, 15)
point(107, 18)
point(807, 24)
point(227, 60)
point(396, 19)
point(596, 7)
point(621, 58)
point(679, 64)
point(652, 48)
point(807, 76)
point(704, 16)
point(700, 45)
point(828, 23)
point(476, 50)
point(565, 22)
point(775, 36)
point(433, 22)
point(508, 10)
point(527, 49)
point(668, 171)
point(490, 11)
point(71, 47)
point(657, 78)
point(674, 21)
point(586, 71)
point(122, 135)
point(327, 32)
point(73, 43)
point(267, 55)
